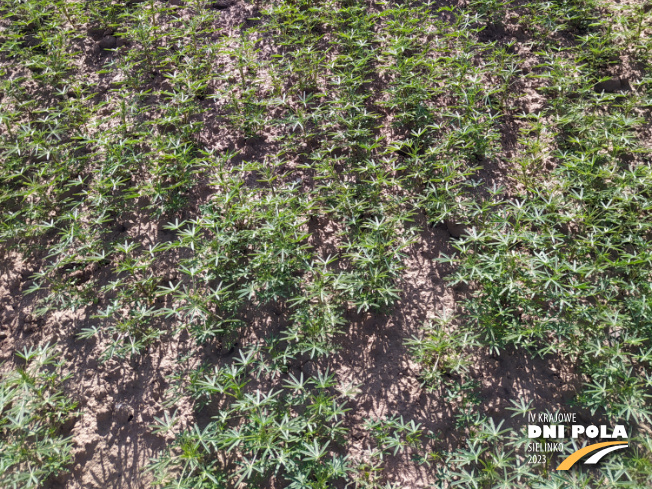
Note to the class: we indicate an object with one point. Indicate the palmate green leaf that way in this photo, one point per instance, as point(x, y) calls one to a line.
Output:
point(296, 384)
point(520, 407)
point(314, 452)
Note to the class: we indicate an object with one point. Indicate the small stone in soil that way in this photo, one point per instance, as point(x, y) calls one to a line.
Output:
point(124, 412)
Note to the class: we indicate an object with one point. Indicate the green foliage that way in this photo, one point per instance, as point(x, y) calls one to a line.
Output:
point(33, 413)
point(394, 434)
point(443, 351)
point(290, 432)
point(565, 268)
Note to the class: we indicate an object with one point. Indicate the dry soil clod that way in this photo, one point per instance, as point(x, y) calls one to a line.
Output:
point(108, 42)
point(609, 86)
point(222, 4)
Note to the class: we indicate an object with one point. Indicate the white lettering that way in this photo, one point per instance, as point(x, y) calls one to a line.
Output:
point(533, 431)
point(549, 431)
point(577, 430)
point(619, 432)
point(592, 431)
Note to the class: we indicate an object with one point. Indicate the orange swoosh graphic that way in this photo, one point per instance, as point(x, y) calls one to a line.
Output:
point(575, 456)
